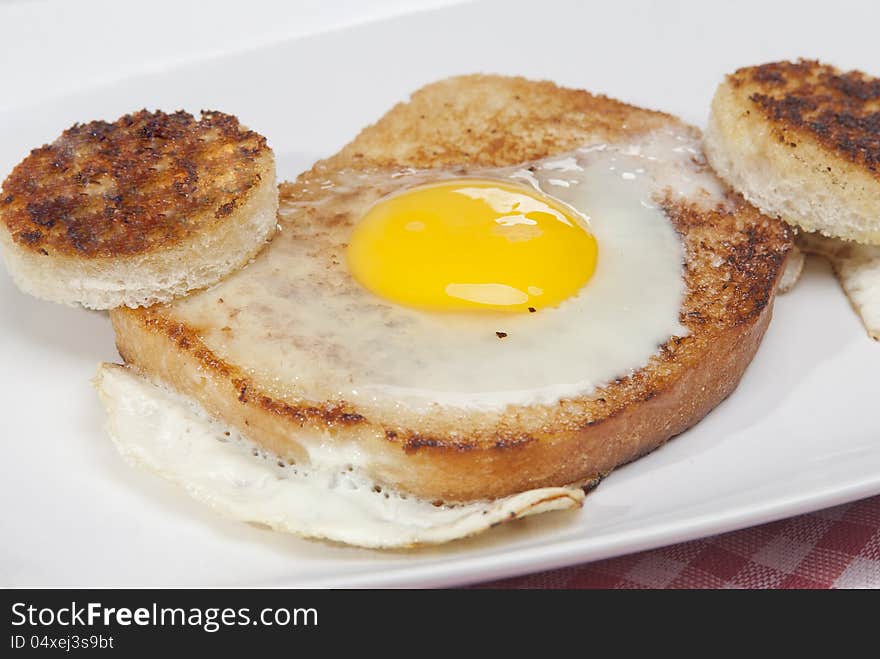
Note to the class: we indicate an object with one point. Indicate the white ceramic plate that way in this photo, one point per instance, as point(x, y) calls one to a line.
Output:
point(801, 432)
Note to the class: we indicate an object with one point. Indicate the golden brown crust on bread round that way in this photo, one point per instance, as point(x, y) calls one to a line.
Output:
point(734, 258)
point(840, 110)
point(801, 141)
point(142, 183)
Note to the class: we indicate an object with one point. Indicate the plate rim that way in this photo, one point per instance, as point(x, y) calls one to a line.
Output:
point(581, 551)
point(505, 562)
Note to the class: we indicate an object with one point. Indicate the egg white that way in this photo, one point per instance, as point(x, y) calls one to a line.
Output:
point(329, 498)
point(303, 326)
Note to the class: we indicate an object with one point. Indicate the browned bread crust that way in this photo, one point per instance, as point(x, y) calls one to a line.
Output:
point(491, 121)
point(840, 110)
point(138, 211)
point(142, 183)
point(734, 257)
point(801, 140)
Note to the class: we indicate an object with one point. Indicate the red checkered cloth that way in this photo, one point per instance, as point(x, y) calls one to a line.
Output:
point(833, 548)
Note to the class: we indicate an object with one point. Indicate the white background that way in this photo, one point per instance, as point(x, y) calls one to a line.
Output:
point(50, 47)
point(801, 432)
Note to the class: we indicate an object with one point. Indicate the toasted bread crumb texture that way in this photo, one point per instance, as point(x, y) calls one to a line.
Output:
point(146, 181)
point(198, 261)
point(493, 121)
point(734, 257)
point(841, 110)
point(801, 140)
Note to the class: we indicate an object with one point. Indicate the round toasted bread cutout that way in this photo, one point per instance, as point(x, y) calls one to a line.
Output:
point(137, 211)
point(801, 141)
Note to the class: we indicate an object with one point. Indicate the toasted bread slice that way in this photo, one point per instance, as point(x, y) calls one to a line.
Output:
point(801, 140)
point(734, 258)
point(137, 211)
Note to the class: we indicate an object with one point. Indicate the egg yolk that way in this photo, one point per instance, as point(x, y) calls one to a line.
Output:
point(472, 244)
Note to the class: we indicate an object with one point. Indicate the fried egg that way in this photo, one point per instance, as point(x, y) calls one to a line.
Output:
point(436, 290)
point(474, 289)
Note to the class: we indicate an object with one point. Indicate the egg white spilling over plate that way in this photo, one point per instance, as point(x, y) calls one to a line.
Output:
point(329, 498)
